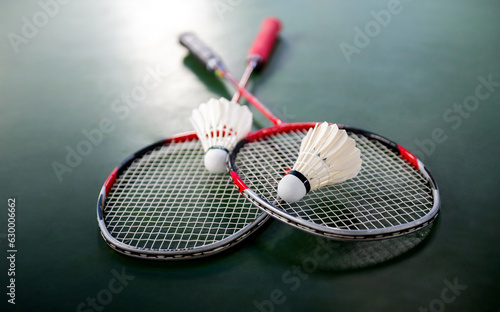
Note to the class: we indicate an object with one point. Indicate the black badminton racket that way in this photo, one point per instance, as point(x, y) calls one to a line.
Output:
point(161, 203)
point(393, 195)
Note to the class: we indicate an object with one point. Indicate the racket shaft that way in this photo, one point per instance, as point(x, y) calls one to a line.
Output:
point(244, 80)
point(260, 50)
point(250, 97)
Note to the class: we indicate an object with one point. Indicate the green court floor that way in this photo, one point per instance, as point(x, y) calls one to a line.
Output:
point(425, 74)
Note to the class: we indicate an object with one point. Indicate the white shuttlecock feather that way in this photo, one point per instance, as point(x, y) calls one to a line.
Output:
point(327, 156)
point(220, 124)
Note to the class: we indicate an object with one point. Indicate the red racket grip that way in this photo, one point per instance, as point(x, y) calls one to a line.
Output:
point(263, 44)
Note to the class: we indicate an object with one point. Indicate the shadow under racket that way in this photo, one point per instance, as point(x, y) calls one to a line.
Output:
point(315, 253)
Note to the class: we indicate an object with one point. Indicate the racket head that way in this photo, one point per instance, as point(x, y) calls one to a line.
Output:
point(161, 203)
point(394, 194)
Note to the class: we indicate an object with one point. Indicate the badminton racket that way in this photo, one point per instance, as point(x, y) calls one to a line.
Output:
point(393, 195)
point(161, 203)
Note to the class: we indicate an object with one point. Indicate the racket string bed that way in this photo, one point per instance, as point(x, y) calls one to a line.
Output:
point(388, 191)
point(155, 202)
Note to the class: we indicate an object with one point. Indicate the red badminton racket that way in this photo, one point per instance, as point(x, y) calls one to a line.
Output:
point(394, 194)
point(161, 203)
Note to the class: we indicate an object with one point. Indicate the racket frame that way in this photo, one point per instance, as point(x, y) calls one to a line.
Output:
point(166, 254)
point(329, 232)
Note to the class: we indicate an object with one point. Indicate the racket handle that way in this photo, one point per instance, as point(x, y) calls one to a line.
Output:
point(200, 51)
point(263, 44)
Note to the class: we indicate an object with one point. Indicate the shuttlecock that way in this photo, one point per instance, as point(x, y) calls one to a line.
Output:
point(220, 124)
point(327, 156)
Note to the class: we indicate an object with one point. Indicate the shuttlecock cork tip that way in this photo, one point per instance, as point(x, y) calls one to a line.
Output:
point(215, 160)
point(293, 187)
